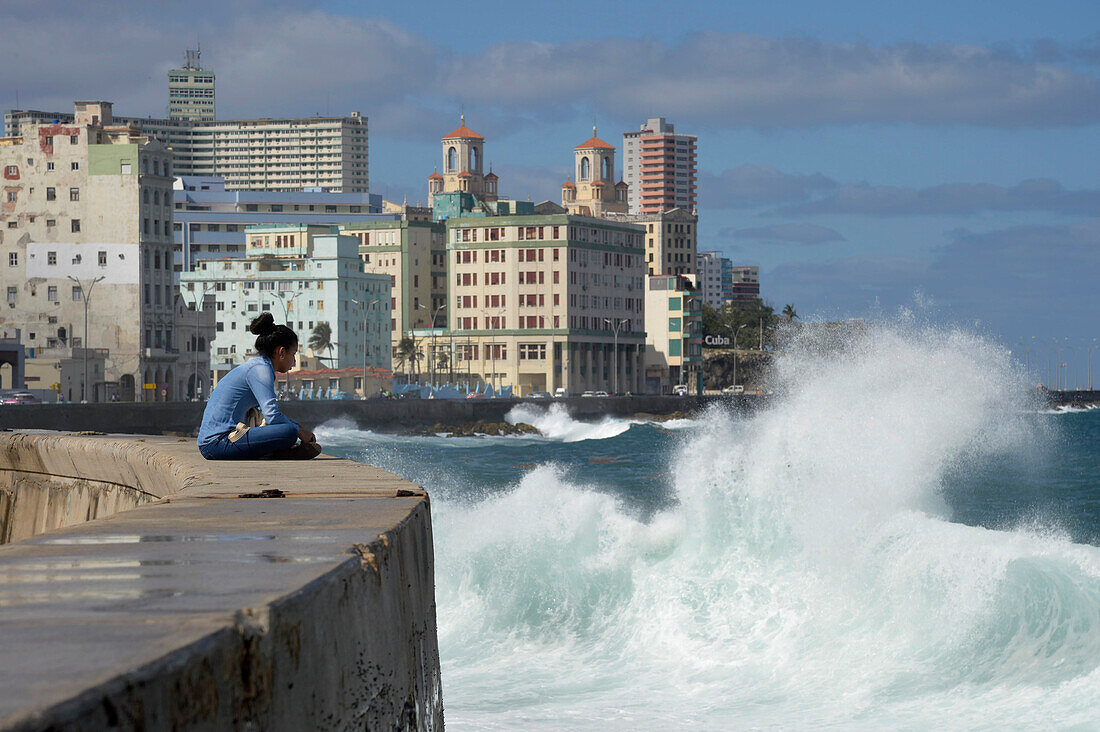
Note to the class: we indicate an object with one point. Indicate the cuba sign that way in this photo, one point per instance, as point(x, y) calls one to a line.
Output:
point(714, 341)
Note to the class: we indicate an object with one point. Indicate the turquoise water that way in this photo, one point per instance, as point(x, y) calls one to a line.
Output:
point(881, 547)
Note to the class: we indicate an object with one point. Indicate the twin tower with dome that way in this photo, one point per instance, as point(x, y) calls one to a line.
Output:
point(593, 193)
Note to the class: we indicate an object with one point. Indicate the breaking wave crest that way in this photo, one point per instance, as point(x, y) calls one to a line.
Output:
point(808, 574)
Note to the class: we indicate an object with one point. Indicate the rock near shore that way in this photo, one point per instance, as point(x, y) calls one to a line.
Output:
point(474, 429)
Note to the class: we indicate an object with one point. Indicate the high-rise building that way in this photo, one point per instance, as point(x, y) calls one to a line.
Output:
point(721, 282)
point(595, 192)
point(304, 275)
point(87, 221)
point(286, 154)
point(659, 166)
point(191, 90)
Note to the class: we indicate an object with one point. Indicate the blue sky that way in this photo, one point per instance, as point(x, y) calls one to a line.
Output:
point(867, 155)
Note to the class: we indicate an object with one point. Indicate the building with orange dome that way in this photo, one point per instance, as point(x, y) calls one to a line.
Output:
point(463, 166)
point(595, 192)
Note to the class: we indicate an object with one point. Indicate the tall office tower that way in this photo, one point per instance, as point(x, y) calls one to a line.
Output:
point(660, 168)
point(191, 89)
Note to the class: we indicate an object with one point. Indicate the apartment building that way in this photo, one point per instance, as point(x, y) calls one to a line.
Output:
point(285, 154)
point(744, 285)
point(304, 275)
point(659, 167)
point(713, 278)
point(674, 334)
point(191, 89)
point(412, 254)
point(547, 301)
point(210, 220)
point(86, 228)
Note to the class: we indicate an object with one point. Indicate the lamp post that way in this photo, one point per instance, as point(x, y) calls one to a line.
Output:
point(735, 332)
point(431, 358)
point(283, 303)
point(1091, 346)
point(366, 311)
point(616, 325)
point(85, 295)
point(492, 342)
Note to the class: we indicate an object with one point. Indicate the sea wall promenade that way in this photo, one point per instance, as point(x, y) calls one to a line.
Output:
point(183, 418)
point(142, 587)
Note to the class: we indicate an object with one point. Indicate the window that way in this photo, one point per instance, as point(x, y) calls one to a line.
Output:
point(13, 259)
point(452, 159)
point(74, 194)
point(12, 196)
point(51, 258)
point(50, 223)
point(13, 293)
point(49, 166)
point(74, 139)
point(74, 165)
point(11, 171)
point(125, 168)
point(102, 258)
point(76, 293)
point(75, 225)
point(51, 293)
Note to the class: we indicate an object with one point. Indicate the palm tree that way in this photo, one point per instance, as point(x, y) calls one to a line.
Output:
point(789, 312)
point(321, 339)
point(406, 352)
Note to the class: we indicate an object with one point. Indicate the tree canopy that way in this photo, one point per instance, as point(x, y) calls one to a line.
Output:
point(729, 319)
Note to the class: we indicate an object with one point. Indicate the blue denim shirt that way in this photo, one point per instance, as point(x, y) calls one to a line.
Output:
point(252, 384)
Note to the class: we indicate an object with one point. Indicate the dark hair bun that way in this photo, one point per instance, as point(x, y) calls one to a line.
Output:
point(262, 324)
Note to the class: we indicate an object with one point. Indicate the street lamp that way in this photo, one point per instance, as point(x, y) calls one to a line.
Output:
point(616, 325)
point(85, 295)
point(735, 332)
point(492, 342)
point(366, 311)
point(283, 303)
point(431, 358)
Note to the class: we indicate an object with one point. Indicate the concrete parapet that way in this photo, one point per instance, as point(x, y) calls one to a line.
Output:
point(201, 608)
point(378, 414)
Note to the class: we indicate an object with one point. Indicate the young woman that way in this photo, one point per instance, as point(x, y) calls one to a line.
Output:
point(224, 435)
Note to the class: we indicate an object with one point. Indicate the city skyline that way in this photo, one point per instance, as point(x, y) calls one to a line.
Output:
point(968, 194)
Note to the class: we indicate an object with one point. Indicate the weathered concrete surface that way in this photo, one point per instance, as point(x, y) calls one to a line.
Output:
point(377, 414)
point(204, 610)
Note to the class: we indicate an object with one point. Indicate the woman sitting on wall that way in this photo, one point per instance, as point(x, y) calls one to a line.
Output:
point(226, 432)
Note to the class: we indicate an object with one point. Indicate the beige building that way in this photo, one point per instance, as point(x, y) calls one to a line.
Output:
point(412, 252)
point(541, 302)
point(674, 334)
point(595, 193)
point(671, 240)
point(87, 210)
point(463, 166)
point(283, 154)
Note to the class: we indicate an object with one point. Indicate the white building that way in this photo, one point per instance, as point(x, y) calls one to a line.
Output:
point(306, 276)
point(659, 166)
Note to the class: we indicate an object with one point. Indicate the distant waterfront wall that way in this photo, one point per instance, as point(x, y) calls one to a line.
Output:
point(207, 606)
point(379, 414)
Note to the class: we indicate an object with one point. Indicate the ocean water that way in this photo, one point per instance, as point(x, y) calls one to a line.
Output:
point(903, 539)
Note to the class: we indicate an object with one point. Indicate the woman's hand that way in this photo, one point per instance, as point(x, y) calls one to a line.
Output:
point(305, 435)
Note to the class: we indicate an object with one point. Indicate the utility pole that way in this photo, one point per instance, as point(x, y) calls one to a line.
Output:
point(85, 295)
point(735, 332)
point(615, 326)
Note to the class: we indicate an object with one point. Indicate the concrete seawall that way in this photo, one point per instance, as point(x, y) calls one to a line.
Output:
point(378, 414)
point(145, 589)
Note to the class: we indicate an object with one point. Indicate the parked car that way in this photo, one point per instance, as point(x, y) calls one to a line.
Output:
point(589, 393)
point(734, 389)
point(20, 397)
point(539, 395)
point(680, 390)
point(602, 394)
point(560, 392)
